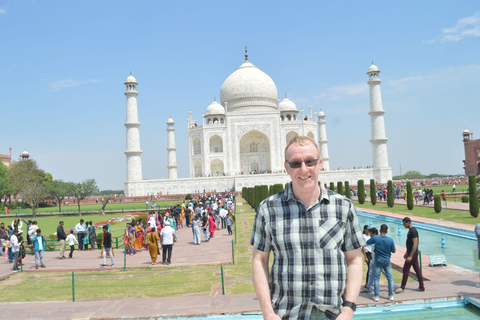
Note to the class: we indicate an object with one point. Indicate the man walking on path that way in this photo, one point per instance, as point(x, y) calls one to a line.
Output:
point(80, 229)
point(61, 237)
point(167, 239)
point(384, 247)
point(15, 249)
point(39, 244)
point(107, 247)
point(223, 216)
point(411, 257)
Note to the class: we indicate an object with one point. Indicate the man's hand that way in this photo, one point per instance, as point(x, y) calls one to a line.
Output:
point(409, 259)
point(346, 314)
point(405, 256)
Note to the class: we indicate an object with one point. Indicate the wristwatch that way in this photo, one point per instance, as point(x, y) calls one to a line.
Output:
point(349, 304)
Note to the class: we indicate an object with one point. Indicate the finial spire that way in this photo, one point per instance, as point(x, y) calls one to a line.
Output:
point(372, 62)
point(130, 72)
point(246, 54)
point(214, 98)
point(285, 95)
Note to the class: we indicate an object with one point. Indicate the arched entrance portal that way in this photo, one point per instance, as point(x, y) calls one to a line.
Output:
point(254, 152)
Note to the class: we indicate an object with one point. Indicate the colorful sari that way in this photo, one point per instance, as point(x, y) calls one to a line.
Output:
point(211, 226)
point(152, 238)
point(139, 243)
point(129, 240)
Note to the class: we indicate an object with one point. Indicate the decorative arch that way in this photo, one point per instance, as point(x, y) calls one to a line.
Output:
point(255, 152)
point(197, 165)
point(289, 117)
point(311, 135)
point(290, 136)
point(216, 167)
point(216, 144)
point(197, 146)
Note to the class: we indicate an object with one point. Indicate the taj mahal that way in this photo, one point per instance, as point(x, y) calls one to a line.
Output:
point(241, 139)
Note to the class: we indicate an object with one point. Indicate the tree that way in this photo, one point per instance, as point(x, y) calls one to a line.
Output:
point(82, 190)
point(332, 186)
point(409, 196)
point(373, 192)
point(347, 189)
point(390, 196)
point(58, 190)
point(105, 200)
point(361, 191)
point(472, 195)
point(33, 193)
point(5, 188)
point(340, 187)
point(437, 203)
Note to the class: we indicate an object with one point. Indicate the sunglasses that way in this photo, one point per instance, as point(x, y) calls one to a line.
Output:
point(298, 164)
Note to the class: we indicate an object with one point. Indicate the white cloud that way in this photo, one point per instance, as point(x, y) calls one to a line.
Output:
point(465, 27)
point(67, 83)
point(3, 11)
point(339, 92)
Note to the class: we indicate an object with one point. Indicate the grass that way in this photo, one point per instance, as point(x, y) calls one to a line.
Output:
point(426, 212)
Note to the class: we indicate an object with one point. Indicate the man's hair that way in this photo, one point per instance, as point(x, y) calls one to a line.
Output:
point(365, 227)
point(301, 141)
point(105, 227)
point(373, 231)
point(383, 228)
point(407, 220)
point(71, 231)
point(60, 222)
point(39, 231)
point(81, 220)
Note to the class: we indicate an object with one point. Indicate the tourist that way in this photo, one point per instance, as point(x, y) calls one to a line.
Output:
point(86, 241)
point(61, 237)
point(139, 241)
point(15, 249)
point(9, 251)
point(80, 229)
point(3, 237)
point(196, 230)
point(367, 251)
point(477, 235)
point(71, 242)
point(129, 239)
point(187, 212)
point(31, 231)
point(92, 236)
point(167, 239)
point(223, 216)
point(211, 225)
point(384, 247)
point(317, 266)
point(411, 257)
point(205, 223)
point(229, 222)
point(444, 197)
point(107, 248)
point(39, 244)
point(29, 223)
point(152, 239)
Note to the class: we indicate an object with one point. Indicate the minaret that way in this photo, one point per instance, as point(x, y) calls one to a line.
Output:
point(172, 151)
point(379, 140)
point(322, 141)
point(133, 152)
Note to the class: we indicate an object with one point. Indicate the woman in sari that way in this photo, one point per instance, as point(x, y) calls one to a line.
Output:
point(129, 239)
point(169, 218)
point(152, 239)
point(139, 240)
point(211, 224)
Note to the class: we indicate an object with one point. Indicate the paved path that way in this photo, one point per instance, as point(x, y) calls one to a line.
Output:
point(441, 282)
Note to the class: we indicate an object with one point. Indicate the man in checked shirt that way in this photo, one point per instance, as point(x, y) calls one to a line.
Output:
point(317, 242)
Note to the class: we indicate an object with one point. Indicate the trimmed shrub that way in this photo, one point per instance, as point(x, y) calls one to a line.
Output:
point(287, 184)
point(332, 186)
point(464, 199)
point(340, 187)
point(473, 197)
point(347, 190)
point(277, 188)
point(390, 196)
point(409, 196)
point(373, 192)
point(244, 193)
point(258, 197)
point(270, 189)
point(251, 197)
point(437, 203)
point(188, 197)
point(361, 192)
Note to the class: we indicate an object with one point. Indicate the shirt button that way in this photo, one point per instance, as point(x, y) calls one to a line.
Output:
point(311, 245)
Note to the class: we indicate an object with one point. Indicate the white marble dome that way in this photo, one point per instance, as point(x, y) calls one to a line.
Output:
point(248, 86)
point(131, 79)
point(287, 105)
point(466, 131)
point(215, 108)
point(170, 121)
point(373, 68)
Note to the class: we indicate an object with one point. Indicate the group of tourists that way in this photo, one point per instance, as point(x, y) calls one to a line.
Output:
point(377, 253)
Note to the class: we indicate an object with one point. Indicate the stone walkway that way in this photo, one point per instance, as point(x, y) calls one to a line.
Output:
point(441, 283)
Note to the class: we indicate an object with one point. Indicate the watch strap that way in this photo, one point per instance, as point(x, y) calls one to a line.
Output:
point(350, 304)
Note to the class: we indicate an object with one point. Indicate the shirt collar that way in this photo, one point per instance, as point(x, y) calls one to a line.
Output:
point(322, 198)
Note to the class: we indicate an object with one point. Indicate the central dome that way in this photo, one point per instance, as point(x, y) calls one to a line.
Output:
point(248, 86)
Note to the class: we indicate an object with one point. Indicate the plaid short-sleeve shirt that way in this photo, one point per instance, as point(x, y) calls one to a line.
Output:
point(309, 266)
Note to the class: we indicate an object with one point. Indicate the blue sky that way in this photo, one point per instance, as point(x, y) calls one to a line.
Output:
point(63, 65)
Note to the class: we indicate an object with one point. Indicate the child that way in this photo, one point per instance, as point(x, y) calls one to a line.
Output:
point(71, 242)
point(86, 241)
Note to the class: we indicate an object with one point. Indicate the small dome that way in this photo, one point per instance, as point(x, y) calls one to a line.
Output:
point(373, 68)
point(466, 131)
point(131, 79)
point(25, 153)
point(215, 108)
point(287, 105)
point(170, 121)
point(321, 113)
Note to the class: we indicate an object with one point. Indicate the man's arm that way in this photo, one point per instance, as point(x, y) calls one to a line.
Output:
point(354, 280)
point(260, 283)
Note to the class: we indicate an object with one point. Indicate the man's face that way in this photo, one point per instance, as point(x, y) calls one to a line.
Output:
point(2, 225)
point(304, 179)
point(405, 224)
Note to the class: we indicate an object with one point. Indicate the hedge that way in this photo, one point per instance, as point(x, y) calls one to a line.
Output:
point(361, 191)
point(373, 192)
point(409, 196)
point(390, 197)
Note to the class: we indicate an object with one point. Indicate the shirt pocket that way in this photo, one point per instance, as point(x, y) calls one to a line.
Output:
point(331, 233)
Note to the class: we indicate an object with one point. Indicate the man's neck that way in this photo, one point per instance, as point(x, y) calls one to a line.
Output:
point(308, 198)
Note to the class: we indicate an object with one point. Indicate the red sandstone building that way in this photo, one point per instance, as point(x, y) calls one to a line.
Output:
point(471, 164)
